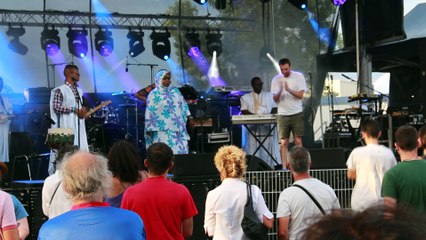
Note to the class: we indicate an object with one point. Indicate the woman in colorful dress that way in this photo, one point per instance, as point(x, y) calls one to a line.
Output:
point(166, 115)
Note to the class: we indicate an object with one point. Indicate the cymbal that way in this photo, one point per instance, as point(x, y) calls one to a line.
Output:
point(122, 93)
point(129, 105)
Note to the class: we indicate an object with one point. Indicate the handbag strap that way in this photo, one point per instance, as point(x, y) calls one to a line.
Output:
point(312, 197)
point(249, 199)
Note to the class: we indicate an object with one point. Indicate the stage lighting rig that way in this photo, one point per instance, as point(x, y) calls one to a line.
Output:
point(77, 42)
point(192, 44)
point(50, 41)
point(300, 4)
point(15, 45)
point(104, 43)
point(161, 44)
point(136, 46)
point(214, 44)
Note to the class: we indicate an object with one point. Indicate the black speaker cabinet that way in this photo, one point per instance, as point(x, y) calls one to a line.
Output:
point(328, 158)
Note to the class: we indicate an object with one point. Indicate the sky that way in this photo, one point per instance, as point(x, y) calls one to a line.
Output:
point(109, 75)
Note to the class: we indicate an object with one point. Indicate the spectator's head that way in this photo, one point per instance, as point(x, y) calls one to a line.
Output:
point(299, 159)
point(371, 128)
point(406, 138)
point(378, 222)
point(123, 162)
point(159, 158)
point(86, 177)
point(422, 137)
point(231, 162)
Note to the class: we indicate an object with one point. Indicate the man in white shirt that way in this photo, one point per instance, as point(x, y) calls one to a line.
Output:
point(259, 102)
point(367, 165)
point(296, 210)
point(288, 89)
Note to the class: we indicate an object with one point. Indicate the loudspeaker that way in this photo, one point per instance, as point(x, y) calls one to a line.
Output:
point(201, 164)
point(199, 190)
point(256, 164)
point(328, 158)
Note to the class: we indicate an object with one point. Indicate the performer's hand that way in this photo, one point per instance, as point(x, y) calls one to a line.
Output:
point(81, 113)
point(286, 86)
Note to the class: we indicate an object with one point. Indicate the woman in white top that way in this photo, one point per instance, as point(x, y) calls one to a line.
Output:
point(225, 204)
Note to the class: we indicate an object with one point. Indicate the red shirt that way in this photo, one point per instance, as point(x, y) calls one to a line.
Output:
point(162, 205)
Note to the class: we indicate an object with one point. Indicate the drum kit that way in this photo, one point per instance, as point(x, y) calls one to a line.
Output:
point(123, 119)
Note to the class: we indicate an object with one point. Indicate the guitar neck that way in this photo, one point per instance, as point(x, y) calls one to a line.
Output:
point(93, 110)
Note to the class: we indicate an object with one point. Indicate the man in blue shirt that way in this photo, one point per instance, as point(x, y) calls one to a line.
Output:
point(86, 179)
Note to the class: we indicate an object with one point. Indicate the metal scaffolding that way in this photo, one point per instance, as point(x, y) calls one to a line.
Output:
point(121, 21)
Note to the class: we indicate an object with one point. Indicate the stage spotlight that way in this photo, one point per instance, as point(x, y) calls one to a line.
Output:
point(192, 44)
point(136, 46)
point(77, 42)
point(201, 2)
point(104, 43)
point(15, 45)
point(214, 43)
point(161, 44)
point(300, 4)
point(338, 2)
point(50, 41)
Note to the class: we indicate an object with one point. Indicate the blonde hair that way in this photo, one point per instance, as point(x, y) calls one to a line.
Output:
point(231, 161)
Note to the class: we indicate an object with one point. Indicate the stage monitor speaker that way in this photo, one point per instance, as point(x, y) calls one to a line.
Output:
point(256, 164)
point(328, 158)
point(201, 164)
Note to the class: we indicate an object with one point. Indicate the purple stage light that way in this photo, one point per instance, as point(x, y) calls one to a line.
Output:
point(52, 49)
point(339, 2)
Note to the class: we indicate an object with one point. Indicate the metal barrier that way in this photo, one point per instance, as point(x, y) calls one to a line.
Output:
point(272, 183)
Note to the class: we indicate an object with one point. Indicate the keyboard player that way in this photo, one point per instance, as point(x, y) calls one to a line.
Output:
point(259, 102)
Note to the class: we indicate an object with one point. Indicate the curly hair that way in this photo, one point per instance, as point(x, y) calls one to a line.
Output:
point(231, 162)
point(124, 162)
point(86, 176)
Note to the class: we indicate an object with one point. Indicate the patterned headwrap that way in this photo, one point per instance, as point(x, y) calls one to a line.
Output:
point(159, 76)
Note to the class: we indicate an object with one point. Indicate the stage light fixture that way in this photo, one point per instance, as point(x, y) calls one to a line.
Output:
point(300, 4)
point(192, 44)
point(161, 44)
point(201, 2)
point(136, 46)
point(214, 44)
point(50, 41)
point(77, 42)
point(15, 45)
point(104, 43)
point(338, 2)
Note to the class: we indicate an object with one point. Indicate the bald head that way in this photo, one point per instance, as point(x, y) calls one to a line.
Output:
point(86, 176)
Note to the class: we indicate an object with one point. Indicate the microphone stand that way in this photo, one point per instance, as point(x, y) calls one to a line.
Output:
point(78, 100)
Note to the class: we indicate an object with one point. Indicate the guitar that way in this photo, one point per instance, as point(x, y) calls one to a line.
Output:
point(101, 105)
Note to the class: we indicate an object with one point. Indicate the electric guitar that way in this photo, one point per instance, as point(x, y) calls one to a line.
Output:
point(101, 105)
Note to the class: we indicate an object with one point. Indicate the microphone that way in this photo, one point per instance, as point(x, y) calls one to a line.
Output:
point(127, 69)
point(49, 119)
point(331, 77)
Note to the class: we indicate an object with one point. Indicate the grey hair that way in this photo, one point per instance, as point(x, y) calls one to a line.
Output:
point(299, 159)
point(86, 176)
